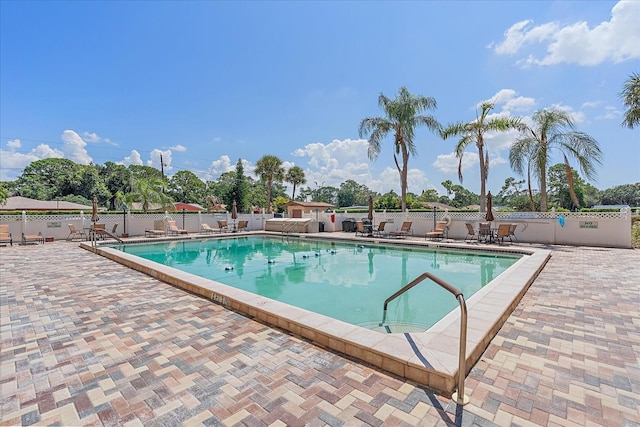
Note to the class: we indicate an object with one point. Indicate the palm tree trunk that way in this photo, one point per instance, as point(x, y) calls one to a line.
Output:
point(403, 178)
point(269, 182)
point(572, 191)
point(533, 204)
point(483, 181)
point(543, 190)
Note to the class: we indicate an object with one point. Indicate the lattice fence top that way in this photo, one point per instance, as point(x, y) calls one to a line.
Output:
point(454, 216)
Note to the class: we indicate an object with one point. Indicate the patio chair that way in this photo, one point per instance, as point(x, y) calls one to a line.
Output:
point(5, 235)
point(223, 226)
point(32, 238)
point(438, 232)
point(206, 228)
point(379, 232)
point(471, 233)
point(404, 231)
point(242, 225)
point(503, 231)
point(485, 232)
point(172, 228)
point(157, 230)
point(98, 229)
point(512, 232)
point(73, 233)
point(360, 229)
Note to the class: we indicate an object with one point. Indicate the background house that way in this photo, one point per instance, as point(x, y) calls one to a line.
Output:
point(297, 209)
point(19, 203)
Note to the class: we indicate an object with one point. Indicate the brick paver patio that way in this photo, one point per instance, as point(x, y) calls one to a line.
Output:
point(86, 341)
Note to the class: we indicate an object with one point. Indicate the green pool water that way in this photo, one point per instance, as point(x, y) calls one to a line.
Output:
point(343, 280)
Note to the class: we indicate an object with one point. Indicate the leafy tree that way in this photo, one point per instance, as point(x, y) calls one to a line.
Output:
point(474, 132)
point(48, 179)
point(4, 194)
point(351, 193)
point(117, 178)
point(448, 185)
point(430, 195)
point(558, 188)
point(90, 183)
point(295, 175)
point(145, 172)
point(345, 197)
point(389, 200)
point(402, 116)
point(185, 186)
point(278, 202)
point(239, 190)
point(269, 169)
point(627, 194)
point(326, 194)
point(554, 129)
point(631, 99)
point(509, 190)
point(463, 197)
point(591, 194)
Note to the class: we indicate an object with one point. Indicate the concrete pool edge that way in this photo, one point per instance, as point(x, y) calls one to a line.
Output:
point(429, 358)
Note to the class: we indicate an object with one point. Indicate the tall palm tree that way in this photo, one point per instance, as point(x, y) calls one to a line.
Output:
point(475, 131)
point(631, 98)
point(295, 175)
point(554, 129)
point(269, 168)
point(401, 119)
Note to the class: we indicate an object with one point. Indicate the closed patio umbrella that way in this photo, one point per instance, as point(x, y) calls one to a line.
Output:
point(489, 215)
point(94, 213)
point(370, 216)
point(234, 213)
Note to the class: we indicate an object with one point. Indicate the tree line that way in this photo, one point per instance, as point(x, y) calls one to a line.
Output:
point(116, 185)
point(551, 130)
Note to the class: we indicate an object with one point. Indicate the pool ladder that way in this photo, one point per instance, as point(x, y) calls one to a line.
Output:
point(287, 227)
point(458, 396)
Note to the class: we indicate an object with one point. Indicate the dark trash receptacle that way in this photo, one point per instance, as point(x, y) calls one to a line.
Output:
point(349, 224)
point(321, 227)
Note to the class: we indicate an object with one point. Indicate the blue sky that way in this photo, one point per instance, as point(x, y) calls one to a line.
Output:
point(208, 83)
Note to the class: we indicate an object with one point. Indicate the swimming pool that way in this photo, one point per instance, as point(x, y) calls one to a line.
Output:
point(345, 281)
point(430, 357)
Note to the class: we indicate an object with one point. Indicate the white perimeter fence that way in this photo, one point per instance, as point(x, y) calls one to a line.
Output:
point(605, 229)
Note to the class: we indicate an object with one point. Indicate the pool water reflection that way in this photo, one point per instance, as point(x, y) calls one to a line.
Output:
point(343, 280)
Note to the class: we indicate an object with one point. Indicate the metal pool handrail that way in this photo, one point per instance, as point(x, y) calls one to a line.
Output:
point(458, 396)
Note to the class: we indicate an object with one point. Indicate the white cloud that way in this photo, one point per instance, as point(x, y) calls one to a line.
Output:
point(74, 148)
point(14, 143)
point(223, 165)
point(448, 163)
point(576, 116)
point(154, 159)
point(179, 148)
point(510, 101)
point(616, 40)
point(133, 159)
point(94, 137)
point(516, 37)
point(13, 162)
point(610, 113)
point(590, 104)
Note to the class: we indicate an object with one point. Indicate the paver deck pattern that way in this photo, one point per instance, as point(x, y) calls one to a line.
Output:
point(85, 341)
